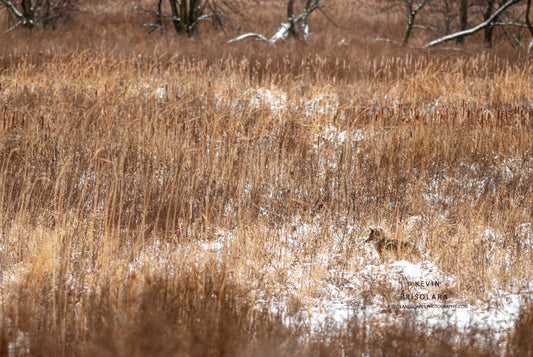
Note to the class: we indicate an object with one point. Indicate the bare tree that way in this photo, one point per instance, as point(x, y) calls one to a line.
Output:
point(186, 15)
point(489, 30)
point(38, 13)
point(447, 17)
point(467, 17)
point(529, 27)
point(409, 8)
point(463, 19)
point(297, 24)
point(411, 11)
point(488, 22)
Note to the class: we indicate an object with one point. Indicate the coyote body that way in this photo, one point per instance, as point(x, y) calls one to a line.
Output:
point(389, 247)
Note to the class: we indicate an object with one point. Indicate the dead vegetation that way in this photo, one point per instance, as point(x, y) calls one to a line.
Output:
point(164, 197)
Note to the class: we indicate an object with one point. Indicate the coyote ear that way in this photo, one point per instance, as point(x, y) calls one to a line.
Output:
point(371, 230)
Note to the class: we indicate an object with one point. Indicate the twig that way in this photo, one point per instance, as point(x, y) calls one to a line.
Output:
point(173, 18)
point(248, 35)
point(15, 26)
point(154, 27)
point(330, 19)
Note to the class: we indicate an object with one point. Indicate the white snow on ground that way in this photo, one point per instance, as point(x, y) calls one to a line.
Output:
point(343, 294)
point(275, 100)
point(279, 102)
point(525, 232)
point(333, 135)
point(497, 317)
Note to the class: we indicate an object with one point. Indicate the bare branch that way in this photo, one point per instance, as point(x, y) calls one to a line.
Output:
point(15, 11)
point(248, 35)
point(296, 26)
point(510, 23)
point(411, 15)
point(282, 33)
point(475, 29)
point(330, 19)
point(159, 14)
point(14, 26)
point(153, 27)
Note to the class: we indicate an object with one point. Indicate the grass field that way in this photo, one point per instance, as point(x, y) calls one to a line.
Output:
point(181, 196)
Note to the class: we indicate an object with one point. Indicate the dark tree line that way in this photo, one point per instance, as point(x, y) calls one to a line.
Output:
point(448, 20)
point(185, 15)
point(444, 20)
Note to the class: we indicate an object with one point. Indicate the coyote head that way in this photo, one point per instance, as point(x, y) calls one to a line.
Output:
point(375, 235)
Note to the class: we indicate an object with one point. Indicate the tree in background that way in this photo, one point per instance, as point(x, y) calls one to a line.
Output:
point(297, 25)
point(488, 21)
point(529, 26)
point(463, 19)
point(411, 10)
point(489, 10)
point(186, 15)
point(38, 13)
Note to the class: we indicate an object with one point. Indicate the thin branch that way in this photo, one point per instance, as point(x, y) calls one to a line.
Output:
point(159, 14)
point(381, 39)
point(248, 35)
point(15, 11)
point(15, 26)
point(420, 6)
point(510, 23)
point(201, 18)
point(475, 29)
point(512, 38)
point(154, 27)
point(427, 27)
point(232, 8)
point(330, 19)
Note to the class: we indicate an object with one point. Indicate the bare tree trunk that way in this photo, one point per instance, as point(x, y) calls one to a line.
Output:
point(175, 15)
point(463, 19)
point(489, 29)
point(193, 7)
point(411, 15)
point(529, 27)
point(528, 21)
point(159, 21)
point(297, 24)
point(410, 21)
point(447, 17)
point(290, 18)
point(185, 15)
point(184, 18)
point(27, 11)
point(309, 4)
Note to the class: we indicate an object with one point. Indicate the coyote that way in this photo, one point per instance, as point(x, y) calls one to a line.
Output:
point(389, 247)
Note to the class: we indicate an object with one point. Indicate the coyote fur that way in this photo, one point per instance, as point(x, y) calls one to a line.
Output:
point(389, 247)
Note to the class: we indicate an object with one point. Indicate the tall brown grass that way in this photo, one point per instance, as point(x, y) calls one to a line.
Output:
point(149, 188)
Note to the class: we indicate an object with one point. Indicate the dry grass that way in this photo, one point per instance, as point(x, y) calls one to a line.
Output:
point(160, 196)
